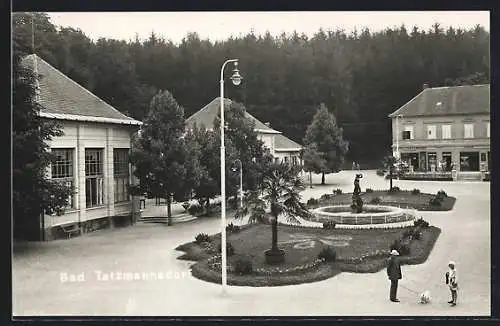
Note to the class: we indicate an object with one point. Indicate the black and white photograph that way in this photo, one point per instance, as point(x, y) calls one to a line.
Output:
point(251, 163)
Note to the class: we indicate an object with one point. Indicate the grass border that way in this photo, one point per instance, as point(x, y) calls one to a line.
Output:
point(317, 273)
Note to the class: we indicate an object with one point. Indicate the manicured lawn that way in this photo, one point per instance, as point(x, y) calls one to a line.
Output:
point(403, 198)
point(357, 251)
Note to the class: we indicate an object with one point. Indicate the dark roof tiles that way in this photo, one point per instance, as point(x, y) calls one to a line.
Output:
point(61, 95)
point(468, 99)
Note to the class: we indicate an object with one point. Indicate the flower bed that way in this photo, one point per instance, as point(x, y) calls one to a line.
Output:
point(402, 198)
point(367, 251)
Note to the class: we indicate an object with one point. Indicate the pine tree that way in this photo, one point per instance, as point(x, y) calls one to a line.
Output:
point(324, 132)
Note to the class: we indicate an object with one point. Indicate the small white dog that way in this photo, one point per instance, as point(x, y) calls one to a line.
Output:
point(425, 297)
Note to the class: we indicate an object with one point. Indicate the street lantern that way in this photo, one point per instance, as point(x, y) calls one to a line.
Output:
point(236, 77)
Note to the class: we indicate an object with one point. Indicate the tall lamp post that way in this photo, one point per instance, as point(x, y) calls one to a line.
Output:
point(236, 79)
point(241, 181)
point(397, 135)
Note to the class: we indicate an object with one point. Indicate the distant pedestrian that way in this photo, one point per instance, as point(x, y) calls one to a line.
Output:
point(394, 274)
point(357, 165)
point(354, 165)
point(452, 282)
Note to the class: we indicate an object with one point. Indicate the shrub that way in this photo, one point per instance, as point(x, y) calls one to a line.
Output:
point(415, 191)
point(337, 191)
point(325, 197)
point(421, 223)
point(404, 250)
point(243, 266)
point(380, 173)
point(328, 254)
point(312, 201)
point(441, 195)
point(195, 209)
point(395, 189)
point(202, 237)
point(375, 200)
point(417, 234)
point(229, 248)
point(435, 201)
point(329, 225)
point(231, 228)
point(369, 190)
point(408, 233)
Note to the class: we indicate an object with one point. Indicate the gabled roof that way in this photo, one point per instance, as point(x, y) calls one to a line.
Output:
point(62, 98)
point(283, 144)
point(438, 101)
point(208, 113)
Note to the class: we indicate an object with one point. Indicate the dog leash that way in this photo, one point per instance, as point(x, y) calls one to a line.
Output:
point(404, 287)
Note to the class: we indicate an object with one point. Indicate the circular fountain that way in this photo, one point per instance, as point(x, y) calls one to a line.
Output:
point(357, 215)
point(372, 214)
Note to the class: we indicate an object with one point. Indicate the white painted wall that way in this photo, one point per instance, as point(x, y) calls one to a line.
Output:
point(92, 135)
point(268, 140)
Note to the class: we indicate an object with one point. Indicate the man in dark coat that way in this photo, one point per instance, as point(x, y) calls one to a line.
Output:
point(394, 274)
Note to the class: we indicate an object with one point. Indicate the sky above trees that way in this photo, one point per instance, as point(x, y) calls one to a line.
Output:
point(221, 25)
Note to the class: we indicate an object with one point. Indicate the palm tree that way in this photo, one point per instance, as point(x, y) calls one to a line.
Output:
point(388, 163)
point(280, 192)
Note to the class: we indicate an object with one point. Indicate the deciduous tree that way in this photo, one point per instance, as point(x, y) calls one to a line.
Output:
point(327, 137)
point(164, 161)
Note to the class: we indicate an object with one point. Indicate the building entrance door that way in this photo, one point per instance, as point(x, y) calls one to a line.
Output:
point(423, 161)
point(447, 161)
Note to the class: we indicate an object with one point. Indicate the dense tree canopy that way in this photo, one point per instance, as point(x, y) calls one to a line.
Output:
point(363, 75)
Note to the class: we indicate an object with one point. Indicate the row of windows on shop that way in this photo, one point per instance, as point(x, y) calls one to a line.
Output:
point(62, 170)
point(408, 132)
point(429, 161)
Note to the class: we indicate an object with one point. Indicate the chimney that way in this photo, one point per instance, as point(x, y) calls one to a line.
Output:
point(425, 86)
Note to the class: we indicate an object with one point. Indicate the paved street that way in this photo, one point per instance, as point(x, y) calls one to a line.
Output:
point(42, 271)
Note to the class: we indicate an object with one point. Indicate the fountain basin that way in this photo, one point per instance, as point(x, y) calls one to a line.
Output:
point(372, 214)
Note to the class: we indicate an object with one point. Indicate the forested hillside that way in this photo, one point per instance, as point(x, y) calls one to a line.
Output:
point(360, 76)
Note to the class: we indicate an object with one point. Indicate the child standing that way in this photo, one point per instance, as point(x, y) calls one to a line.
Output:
point(452, 282)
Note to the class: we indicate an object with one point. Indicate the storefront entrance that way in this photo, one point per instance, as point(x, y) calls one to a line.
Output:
point(432, 161)
point(469, 161)
point(422, 156)
point(411, 159)
point(447, 161)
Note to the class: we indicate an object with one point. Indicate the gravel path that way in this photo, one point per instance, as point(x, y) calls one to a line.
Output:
point(42, 271)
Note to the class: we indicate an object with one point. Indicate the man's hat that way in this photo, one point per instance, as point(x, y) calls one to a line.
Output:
point(394, 252)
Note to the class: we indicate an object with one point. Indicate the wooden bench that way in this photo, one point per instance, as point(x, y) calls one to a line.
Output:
point(70, 229)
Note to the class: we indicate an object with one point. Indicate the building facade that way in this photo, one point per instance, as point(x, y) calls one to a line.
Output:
point(282, 148)
point(92, 155)
point(445, 129)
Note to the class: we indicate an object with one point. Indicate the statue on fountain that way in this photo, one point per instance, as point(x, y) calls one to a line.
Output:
point(357, 202)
